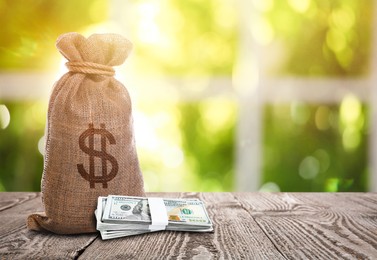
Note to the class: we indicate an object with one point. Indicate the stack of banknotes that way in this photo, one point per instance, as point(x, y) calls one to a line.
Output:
point(120, 216)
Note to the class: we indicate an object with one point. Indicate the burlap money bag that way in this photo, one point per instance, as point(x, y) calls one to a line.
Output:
point(90, 149)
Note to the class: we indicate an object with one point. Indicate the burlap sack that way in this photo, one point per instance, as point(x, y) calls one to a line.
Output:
point(90, 148)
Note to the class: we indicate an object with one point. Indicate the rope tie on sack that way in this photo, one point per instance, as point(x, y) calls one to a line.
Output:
point(90, 68)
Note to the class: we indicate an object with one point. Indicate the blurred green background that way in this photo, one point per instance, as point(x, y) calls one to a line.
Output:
point(189, 144)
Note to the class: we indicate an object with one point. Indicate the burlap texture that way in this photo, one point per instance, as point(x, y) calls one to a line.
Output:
point(90, 149)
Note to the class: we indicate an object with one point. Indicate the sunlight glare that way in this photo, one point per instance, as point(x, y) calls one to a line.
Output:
point(145, 133)
point(262, 31)
point(350, 110)
point(4, 116)
point(104, 27)
point(300, 6)
point(149, 31)
point(172, 157)
point(42, 145)
point(263, 5)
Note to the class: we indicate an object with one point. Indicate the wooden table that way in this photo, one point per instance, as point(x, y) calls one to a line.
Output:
point(247, 226)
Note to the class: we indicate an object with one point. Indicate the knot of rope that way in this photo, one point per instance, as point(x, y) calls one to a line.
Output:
point(90, 68)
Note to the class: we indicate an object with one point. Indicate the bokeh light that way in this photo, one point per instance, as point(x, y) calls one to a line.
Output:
point(188, 141)
point(4, 116)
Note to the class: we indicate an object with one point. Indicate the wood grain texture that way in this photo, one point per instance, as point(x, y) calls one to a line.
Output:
point(246, 226)
point(11, 199)
point(236, 236)
point(317, 226)
point(16, 242)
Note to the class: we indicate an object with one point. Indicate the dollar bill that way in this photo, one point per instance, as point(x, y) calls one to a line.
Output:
point(104, 227)
point(125, 209)
point(120, 216)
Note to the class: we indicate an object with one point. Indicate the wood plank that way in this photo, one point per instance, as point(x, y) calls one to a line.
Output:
point(322, 225)
point(16, 242)
point(236, 236)
point(247, 226)
point(10, 199)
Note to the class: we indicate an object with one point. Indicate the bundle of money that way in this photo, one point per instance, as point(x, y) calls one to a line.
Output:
point(120, 216)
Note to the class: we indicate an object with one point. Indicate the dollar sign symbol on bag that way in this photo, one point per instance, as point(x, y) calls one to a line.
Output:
point(91, 177)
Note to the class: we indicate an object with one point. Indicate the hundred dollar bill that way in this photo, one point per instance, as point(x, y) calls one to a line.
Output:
point(103, 227)
point(101, 203)
point(125, 233)
point(135, 210)
point(121, 216)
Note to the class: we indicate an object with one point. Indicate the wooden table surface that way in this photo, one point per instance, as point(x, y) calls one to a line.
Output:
point(246, 226)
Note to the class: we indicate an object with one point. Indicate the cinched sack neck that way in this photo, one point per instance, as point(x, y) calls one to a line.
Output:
point(90, 68)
